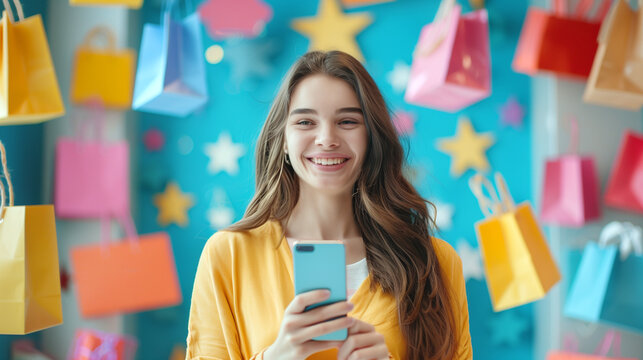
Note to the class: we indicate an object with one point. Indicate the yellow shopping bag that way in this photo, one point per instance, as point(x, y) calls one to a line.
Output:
point(29, 90)
point(518, 263)
point(103, 74)
point(134, 4)
point(29, 273)
point(616, 78)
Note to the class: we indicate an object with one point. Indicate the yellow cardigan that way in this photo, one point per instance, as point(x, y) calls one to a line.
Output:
point(244, 283)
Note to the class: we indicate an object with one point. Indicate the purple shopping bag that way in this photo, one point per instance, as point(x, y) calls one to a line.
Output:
point(570, 188)
point(92, 177)
point(451, 65)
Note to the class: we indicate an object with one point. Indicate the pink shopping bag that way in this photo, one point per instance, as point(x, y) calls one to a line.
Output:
point(625, 185)
point(570, 188)
point(97, 345)
point(452, 65)
point(92, 177)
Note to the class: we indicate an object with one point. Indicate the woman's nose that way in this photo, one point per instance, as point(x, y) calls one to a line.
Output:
point(327, 137)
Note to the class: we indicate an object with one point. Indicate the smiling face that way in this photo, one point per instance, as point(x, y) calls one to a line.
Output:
point(326, 136)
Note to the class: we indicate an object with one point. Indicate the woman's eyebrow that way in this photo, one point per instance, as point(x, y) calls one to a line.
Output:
point(350, 110)
point(302, 111)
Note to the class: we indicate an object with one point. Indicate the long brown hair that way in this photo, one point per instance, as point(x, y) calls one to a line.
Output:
point(393, 218)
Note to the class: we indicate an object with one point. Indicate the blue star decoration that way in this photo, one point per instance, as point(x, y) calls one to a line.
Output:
point(507, 328)
point(248, 59)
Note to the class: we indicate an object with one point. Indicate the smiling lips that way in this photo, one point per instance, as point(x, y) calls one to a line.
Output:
point(328, 161)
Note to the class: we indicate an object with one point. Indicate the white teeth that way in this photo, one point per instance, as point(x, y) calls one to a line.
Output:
point(326, 161)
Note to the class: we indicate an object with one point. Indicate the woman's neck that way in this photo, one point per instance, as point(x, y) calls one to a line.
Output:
point(321, 216)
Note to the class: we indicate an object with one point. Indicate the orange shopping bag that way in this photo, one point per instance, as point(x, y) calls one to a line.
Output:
point(136, 274)
point(133, 4)
point(29, 273)
point(29, 90)
point(618, 61)
point(518, 263)
point(105, 74)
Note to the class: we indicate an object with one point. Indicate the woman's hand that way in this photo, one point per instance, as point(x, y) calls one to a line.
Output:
point(298, 328)
point(363, 343)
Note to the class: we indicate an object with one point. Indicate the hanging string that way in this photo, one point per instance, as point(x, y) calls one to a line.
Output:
point(5, 171)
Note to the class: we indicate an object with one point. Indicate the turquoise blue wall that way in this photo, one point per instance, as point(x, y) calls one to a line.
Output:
point(241, 109)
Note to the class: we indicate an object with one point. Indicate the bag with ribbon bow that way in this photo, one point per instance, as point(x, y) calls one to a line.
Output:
point(611, 341)
point(570, 193)
point(605, 288)
point(625, 184)
point(616, 78)
point(104, 75)
point(518, 263)
point(559, 42)
point(97, 345)
point(29, 273)
point(135, 274)
point(170, 77)
point(451, 66)
point(91, 175)
point(30, 92)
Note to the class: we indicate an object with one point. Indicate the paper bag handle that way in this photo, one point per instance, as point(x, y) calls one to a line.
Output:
point(98, 31)
point(573, 135)
point(612, 339)
point(628, 236)
point(7, 7)
point(126, 222)
point(582, 9)
point(493, 204)
point(3, 155)
point(98, 114)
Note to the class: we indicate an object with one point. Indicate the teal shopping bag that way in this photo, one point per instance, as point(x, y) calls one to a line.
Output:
point(607, 288)
point(170, 76)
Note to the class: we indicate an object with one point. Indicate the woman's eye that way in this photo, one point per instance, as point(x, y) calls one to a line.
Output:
point(348, 121)
point(304, 122)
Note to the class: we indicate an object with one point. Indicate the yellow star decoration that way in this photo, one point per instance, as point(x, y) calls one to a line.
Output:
point(332, 30)
point(173, 205)
point(467, 148)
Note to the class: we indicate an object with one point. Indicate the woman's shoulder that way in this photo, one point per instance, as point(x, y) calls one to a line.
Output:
point(447, 256)
point(231, 241)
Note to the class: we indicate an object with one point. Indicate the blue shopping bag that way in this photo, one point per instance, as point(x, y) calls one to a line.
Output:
point(170, 77)
point(608, 289)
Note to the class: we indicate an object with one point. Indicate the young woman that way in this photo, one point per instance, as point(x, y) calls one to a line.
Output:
point(329, 167)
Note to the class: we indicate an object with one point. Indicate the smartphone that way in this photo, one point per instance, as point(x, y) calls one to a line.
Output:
point(321, 265)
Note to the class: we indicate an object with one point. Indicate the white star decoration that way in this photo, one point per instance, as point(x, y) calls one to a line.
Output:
point(471, 261)
point(220, 215)
point(444, 215)
point(399, 77)
point(224, 155)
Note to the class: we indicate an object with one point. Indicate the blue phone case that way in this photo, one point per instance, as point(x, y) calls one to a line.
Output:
point(321, 265)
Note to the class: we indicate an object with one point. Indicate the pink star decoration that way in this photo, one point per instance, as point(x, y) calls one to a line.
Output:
point(153, 140)
point(404, 122)
point(226, 18)
point(512, 113)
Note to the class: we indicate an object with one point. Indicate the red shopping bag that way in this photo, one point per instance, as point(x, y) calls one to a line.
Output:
point(570, 188)
point(559, 42)
point(625, 185)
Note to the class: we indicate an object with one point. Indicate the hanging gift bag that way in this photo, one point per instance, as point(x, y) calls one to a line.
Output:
point(102, 74)
point(451, 66)
point(29, 273)
point(91, 175)
point(570, 188)
point(518, 264)
point(609, 83)
point(559, 42)
point(611, 341)
point(625, 184)
point(170, 77)
point(135, 274)
point(608, 289)
point(134, 4)
point(29, 90)
point(93, 344)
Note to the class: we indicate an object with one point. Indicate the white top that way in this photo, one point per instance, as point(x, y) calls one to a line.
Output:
point(356, 273)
